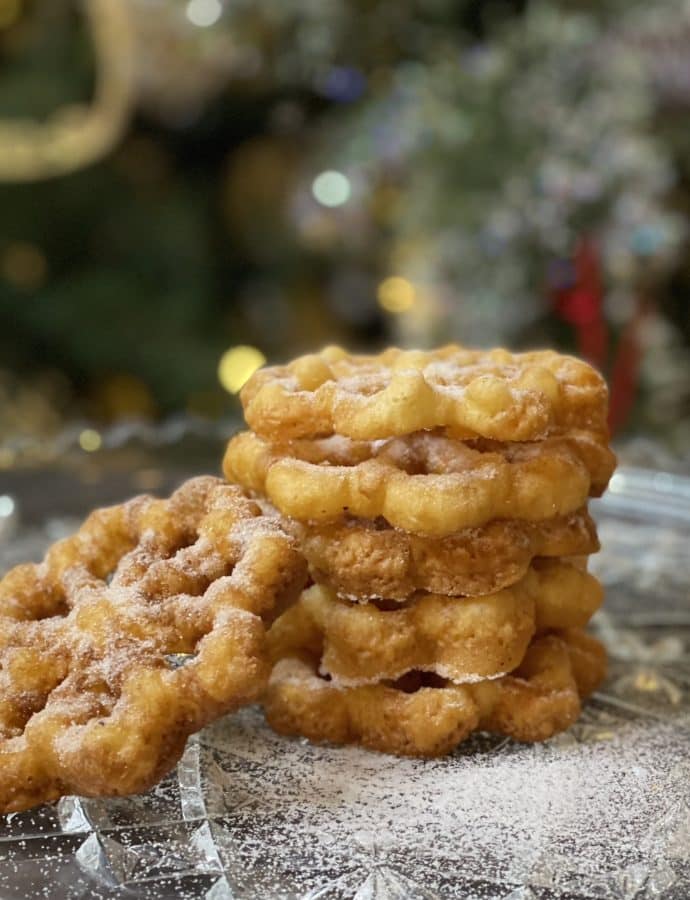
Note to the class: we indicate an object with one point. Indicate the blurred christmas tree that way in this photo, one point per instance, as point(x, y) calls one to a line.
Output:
point(285, 173)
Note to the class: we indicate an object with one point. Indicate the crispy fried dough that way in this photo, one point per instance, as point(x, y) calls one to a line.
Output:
point(424, 483)
point(460, 639)
point(367, 560)
point(411, 718)
point(493, 394)
point(138, 630)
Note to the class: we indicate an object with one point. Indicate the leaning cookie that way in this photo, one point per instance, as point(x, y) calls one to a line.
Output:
point(138, 630)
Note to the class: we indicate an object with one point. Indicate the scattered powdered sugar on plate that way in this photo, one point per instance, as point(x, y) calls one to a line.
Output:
point(601, 812)
point(495, 813)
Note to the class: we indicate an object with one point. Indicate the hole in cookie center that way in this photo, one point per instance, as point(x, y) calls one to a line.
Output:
point(427, 453)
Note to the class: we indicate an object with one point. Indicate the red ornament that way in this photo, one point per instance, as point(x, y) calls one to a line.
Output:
point(581, 304)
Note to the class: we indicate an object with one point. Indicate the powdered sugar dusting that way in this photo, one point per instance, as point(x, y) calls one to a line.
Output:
point(565, 812)
point(602, 812)
point(105, 625)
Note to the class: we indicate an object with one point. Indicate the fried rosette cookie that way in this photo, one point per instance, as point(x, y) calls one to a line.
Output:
point(425, 482)
point(422, 715)
point(461, 639)
point(493, 394)
point(369, 560)
point(138, 630)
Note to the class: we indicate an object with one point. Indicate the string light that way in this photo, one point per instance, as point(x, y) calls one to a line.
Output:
point(396, 295)
point(331, 188)
point(237, 365)
point(90, 440)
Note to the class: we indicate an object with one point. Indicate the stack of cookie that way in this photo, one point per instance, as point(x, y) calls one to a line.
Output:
point(440, 500)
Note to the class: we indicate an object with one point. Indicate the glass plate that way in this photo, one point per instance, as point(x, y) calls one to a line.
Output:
point(602, 811)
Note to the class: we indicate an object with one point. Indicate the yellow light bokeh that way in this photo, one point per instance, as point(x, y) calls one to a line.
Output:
point(122, 396)
point(9, 12)
point(647, 681)
point(7, 458)
point(396, 295)
point(90, 440)
point(24, 265)
point(237, 365)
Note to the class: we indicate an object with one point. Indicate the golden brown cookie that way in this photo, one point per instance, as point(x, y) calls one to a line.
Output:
point(425, 716)
point(493, 394)
point(367, 560)
point(133, 633)
point(464, 639)
point(424, 483)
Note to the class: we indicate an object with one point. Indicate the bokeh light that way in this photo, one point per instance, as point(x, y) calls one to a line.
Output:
point(396, 295)
point(7, 506)
point(7, 458)
point(123, 396)
point(9, 12)
point(90, 440)
point(237, 365)
point(204, 12)
point(23, 265)
point(331, 188)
